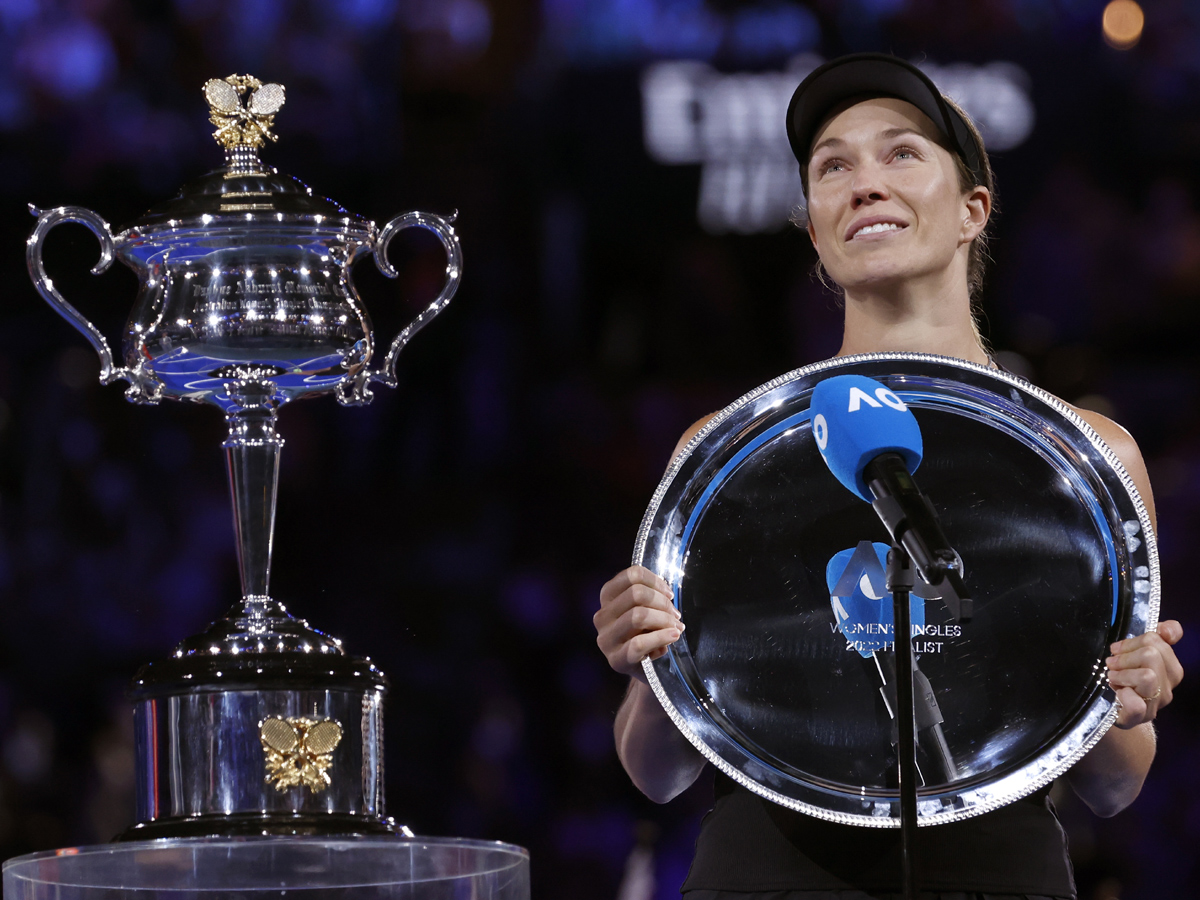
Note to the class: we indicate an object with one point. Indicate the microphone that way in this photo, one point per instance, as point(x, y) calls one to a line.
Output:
point(872, 444)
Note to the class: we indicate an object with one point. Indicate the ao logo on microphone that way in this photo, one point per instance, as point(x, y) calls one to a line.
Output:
point(886, 398)
point(883, 397)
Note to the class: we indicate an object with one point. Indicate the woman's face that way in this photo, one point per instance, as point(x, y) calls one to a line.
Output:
point(884, 202)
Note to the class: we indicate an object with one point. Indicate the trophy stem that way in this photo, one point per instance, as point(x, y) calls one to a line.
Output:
point(252, 456)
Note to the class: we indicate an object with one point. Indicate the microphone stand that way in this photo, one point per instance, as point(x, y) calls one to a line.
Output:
point(900, 584)
point(917, 538)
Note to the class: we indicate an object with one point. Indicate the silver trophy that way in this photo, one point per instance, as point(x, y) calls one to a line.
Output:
point(260, 725)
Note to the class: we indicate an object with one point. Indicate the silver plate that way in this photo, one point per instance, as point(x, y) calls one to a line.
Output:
point(1058, 552)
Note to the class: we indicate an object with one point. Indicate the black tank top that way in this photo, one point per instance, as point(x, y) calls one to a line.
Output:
point(747, 844)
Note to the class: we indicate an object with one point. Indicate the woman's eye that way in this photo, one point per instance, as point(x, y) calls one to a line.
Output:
point(904, 153)
point(833, 165)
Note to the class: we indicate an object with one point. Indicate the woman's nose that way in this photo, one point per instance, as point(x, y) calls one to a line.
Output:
point(868, 186)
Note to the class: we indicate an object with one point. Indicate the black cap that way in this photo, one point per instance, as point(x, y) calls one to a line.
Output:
point(877, 75)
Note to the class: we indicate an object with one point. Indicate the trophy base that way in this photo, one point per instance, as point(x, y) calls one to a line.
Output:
point(259, 726)
point(255, 824)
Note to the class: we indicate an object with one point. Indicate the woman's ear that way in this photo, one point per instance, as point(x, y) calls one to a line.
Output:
point(812, 235)
point(978, 202)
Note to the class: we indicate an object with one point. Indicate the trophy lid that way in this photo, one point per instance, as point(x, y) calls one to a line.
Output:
point(244, 191)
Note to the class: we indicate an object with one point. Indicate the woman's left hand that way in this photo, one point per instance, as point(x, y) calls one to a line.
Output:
point(1144, 672)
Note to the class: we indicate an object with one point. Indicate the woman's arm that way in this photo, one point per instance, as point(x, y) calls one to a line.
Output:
point(1143, 670)
point(659, 759)
point(637, 619)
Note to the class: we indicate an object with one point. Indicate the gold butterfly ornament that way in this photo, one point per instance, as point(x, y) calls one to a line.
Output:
point(243, 109)
point(299, 751)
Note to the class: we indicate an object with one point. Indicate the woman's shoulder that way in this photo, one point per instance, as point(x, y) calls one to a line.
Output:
point(691, 432)
point(1113, 433)
point(1121, 443)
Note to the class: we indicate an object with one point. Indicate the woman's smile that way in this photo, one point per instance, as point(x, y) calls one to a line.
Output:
point(874, 228)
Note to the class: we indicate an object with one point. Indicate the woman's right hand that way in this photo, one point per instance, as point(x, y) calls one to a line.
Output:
point(637, 619)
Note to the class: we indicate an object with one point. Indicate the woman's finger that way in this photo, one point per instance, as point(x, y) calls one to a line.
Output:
point(1146, 683)
point(1134, 708)
point(634, 596)
point(642, 645)
point(626, 578)
point(637, 621)
point(1170, 631)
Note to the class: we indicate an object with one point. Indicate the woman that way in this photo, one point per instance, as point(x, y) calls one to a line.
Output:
point(899, 192)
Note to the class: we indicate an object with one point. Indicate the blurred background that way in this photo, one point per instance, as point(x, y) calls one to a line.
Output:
point(623, 185)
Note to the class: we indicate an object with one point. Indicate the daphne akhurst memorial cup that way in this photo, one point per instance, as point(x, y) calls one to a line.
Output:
point(262, 724)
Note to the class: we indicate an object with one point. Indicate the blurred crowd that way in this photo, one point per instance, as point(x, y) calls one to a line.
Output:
point(459, 528)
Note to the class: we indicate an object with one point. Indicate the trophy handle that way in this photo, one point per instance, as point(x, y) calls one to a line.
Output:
point(33, 258)
point(444, 229)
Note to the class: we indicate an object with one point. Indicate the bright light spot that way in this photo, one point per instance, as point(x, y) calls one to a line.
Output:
point(318, 319)
point(273, 273)
point(280, 315)
point(182, 323)
point(188, 274)
point(318, 219)
point(213, 319)
point(303, 270)
point(215, 272)
point(1123, 21)
point(251, 314)
point(249, 217)
point(205, 219)
point(342, 318)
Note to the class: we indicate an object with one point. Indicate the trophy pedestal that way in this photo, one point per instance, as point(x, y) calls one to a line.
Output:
point(259, 726)
point(264, 867)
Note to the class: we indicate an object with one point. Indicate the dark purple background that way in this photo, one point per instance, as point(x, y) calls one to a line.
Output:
point(458, 530)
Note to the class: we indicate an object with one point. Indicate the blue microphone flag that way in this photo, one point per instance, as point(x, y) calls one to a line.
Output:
point(854, 420)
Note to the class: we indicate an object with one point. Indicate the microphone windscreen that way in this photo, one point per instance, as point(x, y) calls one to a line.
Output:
point(854, 420)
